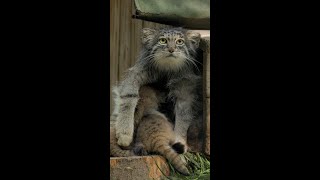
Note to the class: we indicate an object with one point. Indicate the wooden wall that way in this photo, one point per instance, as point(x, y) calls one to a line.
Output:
point(124, 38)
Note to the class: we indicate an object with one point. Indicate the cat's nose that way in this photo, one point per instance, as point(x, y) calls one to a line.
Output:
point(171, 50)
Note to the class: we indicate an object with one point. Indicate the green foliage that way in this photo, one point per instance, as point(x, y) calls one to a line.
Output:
point(198, 165)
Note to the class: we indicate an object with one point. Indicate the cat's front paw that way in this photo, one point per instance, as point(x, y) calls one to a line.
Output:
point(124, 139)
point(124, 130)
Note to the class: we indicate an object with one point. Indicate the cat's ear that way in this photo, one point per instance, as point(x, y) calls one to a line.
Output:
point(147, 35)
point(194, 37)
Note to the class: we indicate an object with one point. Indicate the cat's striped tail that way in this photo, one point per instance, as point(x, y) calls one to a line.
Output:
point(172, 156)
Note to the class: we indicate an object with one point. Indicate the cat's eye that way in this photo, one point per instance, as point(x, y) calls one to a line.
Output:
point(162, 40)
point(180, 41)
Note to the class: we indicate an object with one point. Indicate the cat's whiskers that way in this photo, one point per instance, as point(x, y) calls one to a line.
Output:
point(148, 57)
point(191, 60)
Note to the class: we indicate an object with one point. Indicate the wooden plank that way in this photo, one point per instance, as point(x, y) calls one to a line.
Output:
point(137, 36)
point(132, 38)
point(206, 147)
point(138, 167)
point(136, 26)
point(125, 38)
point(114, 44)
point(205, 46)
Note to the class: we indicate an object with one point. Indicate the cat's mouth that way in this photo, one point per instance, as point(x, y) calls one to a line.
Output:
point(171, 55)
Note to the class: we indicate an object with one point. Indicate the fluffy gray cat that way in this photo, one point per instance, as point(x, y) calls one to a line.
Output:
point(167, 62)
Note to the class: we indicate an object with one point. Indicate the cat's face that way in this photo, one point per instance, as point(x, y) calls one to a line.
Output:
point(170, 49)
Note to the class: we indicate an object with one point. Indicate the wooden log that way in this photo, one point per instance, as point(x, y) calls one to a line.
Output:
point(138, 168)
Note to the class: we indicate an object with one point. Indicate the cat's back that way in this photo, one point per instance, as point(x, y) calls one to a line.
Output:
point(154, 126)
point(156, 134)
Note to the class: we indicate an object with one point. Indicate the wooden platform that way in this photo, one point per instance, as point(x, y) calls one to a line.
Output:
point(138, 168)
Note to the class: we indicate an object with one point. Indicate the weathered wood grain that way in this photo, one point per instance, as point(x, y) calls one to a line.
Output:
point(114, 44)
point(138, 168)
point(125, 38)
point(205, 46)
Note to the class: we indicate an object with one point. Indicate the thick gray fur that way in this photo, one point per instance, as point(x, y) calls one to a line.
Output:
point(173, 60)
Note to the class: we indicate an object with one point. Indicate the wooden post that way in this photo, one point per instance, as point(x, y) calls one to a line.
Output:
point(205, 46)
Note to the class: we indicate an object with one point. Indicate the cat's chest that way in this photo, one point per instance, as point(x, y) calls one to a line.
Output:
point(161, 84)
point(166, 107)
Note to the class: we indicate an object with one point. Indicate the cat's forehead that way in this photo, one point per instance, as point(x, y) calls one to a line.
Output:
point(171, 33)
